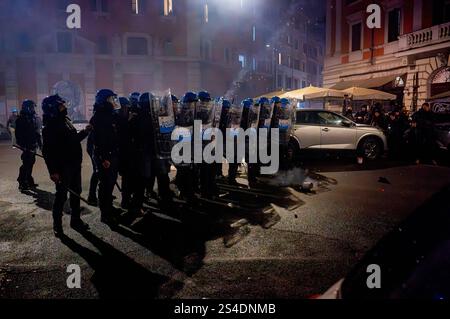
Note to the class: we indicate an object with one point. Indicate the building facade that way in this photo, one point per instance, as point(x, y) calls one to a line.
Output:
point(235, 48)
point(407, 56)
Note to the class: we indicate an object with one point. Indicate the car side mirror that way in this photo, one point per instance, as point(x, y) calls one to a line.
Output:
point(347, 123)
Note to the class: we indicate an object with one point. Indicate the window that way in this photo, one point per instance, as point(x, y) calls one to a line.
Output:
point(168, 7)
point(25, 44)
point(441, 11)
point(254, 64)
point(137, 46)
point(303, 84)
point(206, 49)
point(280, 81)
point(289, 61)
point(226, 55)
point(102, 45)
point(297, 44)
point(137, 6)
point(307, 118)
point(99, 5)
point(393, 25)
point(303, 66)
point(64, 42)
point(297, 64)
point(295, 84)
point(289, 82)
point(305, 48)
point(289, 39)
point(254, 33)
point(169, 48)
point(327, 118)
point(356, 37)
point(206, 13)
point(242, 60)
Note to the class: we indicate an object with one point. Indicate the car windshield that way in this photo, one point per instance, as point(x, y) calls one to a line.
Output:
point(414, 259)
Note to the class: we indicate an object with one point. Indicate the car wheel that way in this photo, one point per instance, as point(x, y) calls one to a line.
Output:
point(370, 148)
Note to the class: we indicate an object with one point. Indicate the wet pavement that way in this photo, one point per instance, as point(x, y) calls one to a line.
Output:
point(291, 245)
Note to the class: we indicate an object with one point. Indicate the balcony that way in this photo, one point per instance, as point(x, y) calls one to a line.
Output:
point(435, 35)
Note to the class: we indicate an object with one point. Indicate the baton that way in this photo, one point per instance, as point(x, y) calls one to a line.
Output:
point(67, 188)
point(25, 150)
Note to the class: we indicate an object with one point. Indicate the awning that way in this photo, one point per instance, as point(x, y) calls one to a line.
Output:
point(368, 83)
point(271, 94)
point(364, 94)
point(441, 96)
point(312, 92)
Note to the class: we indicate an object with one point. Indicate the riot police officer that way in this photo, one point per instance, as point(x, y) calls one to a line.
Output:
point(184, 123)
point(162, 123)
point(63, 155)
point(106, 150)
point(223, 122)
point(282, 120)
point(124, 150)
point(204, 112)
point(237, 120)
point(28, 137)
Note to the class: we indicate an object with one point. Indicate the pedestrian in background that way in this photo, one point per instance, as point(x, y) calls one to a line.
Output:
point(11, 125)
point(28, 136)
point(424, 119)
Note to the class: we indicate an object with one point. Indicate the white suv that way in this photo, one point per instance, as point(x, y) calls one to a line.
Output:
point(329, 131)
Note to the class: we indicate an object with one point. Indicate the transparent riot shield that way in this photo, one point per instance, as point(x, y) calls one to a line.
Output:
point(234, 119)
point(265, 114)
point(217, 112)
point(285, 119)
point(163, 118)
point(253, 116)
point(184, 121)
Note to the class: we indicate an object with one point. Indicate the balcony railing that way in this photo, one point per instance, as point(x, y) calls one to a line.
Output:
point(435, 34)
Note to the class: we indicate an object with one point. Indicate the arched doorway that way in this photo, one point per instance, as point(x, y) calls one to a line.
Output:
point(439, 81)
point(72, 93)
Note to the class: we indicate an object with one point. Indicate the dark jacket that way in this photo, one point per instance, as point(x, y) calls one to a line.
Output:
point(62, 144)
point(425, 126)
point(28, 133)
point(105, 134)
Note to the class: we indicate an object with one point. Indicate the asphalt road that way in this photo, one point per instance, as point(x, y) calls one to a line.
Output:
point(302, 254)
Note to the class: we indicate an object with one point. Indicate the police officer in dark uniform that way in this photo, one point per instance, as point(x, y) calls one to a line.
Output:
point(226, 105)
point(124, 151)
point(106, 150)
point(186, 174)
point(63, 155)
point(28, 137)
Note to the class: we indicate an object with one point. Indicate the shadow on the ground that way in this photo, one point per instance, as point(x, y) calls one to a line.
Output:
point(44, 200)
point(118, 276)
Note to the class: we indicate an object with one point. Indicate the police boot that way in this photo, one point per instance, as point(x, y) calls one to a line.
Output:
point(78, 224)
point(92, 200)
point(32, 184)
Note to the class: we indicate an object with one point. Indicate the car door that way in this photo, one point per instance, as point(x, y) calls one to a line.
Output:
point(307, 130)
point(335, 134)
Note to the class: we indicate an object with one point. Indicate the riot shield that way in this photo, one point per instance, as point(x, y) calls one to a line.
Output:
point(265, 114)
point(204, 111)
point(253, 116)
point(234, 119)
point(285, 115)
point(163, 118)
point(217, 112)
point(184, 120)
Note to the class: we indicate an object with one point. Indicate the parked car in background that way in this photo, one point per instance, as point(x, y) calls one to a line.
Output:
point(321, 130)
point(443, 130)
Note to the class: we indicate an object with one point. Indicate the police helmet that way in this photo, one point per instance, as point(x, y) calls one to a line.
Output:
point(190, 97)
point(103, 96)
point(204, 96)
point(50, 105)
point(28, 107)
